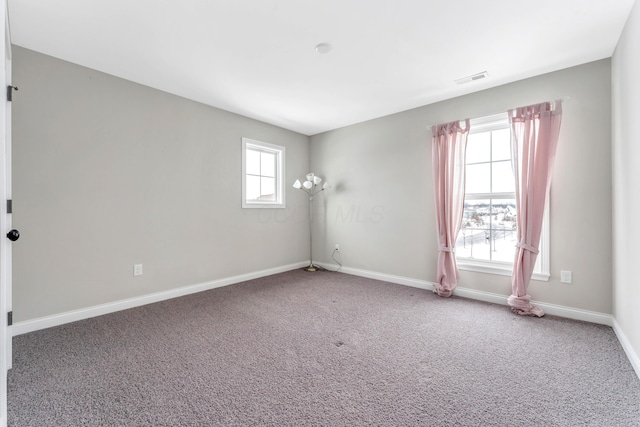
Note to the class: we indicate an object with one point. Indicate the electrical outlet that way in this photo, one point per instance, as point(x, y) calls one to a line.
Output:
point(337, 247)
point(137, 269)
point(565, 276)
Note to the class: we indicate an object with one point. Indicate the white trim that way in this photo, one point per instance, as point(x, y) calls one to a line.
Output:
point(489, 123)
point(401, 280)
point(480, 296)
point(487, 268)
point(543, 264)
point(628, 349)
point(556, 310)
point(27, 326)
point(24, 327)
point(280, 152)
point(575, 313)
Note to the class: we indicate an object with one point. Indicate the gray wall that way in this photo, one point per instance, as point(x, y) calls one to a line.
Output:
point(108, 173)
point(626, 166)
point(381, 211)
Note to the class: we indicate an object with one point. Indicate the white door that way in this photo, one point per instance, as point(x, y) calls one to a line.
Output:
point(5, 216)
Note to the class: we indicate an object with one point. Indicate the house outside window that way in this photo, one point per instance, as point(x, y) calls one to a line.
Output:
point(262, 174)
point(489, 233)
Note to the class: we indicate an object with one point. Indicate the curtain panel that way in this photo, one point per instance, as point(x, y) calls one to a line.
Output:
point(448, 155)
point(534, 139)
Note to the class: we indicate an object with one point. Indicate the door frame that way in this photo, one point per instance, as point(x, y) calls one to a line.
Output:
point(5, 217)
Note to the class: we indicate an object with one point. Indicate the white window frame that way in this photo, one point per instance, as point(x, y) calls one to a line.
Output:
point(279, 151)
point(541, 270)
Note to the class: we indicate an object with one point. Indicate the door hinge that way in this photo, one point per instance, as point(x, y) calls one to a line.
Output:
point(10, 92)
point(10, 318)
point(9, 206)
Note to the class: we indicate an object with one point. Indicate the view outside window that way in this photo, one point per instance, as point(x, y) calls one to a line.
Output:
point(261, 175)
point(489, 228)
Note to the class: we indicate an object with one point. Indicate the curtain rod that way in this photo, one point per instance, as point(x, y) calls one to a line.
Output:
point(563, 99)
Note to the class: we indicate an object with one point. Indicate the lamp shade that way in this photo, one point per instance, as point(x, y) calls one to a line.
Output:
point(317, 180)
point(308, 185)
point(326, 186)
point(310, 176)
point(297, 184)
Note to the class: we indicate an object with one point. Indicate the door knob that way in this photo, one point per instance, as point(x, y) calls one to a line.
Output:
point(13, 235)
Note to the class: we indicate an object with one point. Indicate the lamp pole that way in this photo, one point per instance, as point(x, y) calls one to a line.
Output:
point(311, 267)
point(310, 186)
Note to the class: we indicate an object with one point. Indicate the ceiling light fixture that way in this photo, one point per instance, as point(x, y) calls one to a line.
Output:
point(323, 48)
point(472, 78)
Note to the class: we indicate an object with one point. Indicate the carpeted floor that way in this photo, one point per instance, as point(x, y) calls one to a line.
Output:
point(322, 349)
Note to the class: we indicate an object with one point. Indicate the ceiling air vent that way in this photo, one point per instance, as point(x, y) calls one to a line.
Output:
point(472, 78)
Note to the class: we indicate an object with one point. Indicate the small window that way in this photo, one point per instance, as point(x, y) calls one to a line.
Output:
point(489, 230)
point(262, 174)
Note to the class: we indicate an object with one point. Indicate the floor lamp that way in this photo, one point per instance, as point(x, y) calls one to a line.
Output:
point(311, 187)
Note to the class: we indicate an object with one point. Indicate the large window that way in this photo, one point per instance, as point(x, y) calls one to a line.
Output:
point(262, 174)
point(489, 233)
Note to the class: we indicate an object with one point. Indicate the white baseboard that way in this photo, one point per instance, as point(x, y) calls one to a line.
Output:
point(575, 313)
point(628, 349)
point(401, 280)
point(556, 310)
point(24, 327)
point(27, 326)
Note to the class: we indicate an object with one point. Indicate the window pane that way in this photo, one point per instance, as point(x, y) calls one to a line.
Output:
point(263, 165)
point(502, 177)
point(478, 178)
point(476, 213)
point(253, 162)
point(478, 148)
point(501, 144)
point(252, 191)
point(472, 241)
point(268, 189)
point(268, 164)
point(503, 233)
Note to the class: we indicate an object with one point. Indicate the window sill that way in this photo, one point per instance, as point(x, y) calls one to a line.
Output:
point(499, 270)
point(263, 206)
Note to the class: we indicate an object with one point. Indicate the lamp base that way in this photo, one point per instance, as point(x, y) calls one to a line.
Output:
point(311, 267)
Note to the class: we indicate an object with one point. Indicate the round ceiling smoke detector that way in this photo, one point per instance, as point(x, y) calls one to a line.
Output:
point(323, 48)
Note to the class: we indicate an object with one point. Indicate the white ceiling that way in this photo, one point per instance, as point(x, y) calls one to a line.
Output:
point(257, 57)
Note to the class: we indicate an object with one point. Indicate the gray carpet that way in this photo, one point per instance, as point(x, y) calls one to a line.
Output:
point(322, 349)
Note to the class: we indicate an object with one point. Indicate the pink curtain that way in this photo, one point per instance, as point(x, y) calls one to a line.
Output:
point(449, 145)
point(534, 138)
